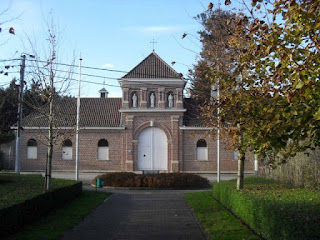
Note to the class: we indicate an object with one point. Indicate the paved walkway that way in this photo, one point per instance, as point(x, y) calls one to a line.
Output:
point(140, 214)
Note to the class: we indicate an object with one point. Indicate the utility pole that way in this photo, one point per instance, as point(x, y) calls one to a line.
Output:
point(78, 123)
point(20, 100)
point(256, 167)
point(218, 130)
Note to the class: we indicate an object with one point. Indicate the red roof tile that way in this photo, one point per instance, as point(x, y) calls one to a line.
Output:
point(94, 112)
point(152, 67)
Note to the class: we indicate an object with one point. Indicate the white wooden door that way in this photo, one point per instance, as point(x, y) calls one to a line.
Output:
point(152, 150)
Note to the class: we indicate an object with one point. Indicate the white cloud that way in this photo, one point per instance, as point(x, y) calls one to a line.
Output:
point(107, 65)
point(155, 29)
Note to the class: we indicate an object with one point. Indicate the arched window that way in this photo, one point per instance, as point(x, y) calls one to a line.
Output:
point(202, 150)
point(32, 149)
point(67, 150)
point(103, 149)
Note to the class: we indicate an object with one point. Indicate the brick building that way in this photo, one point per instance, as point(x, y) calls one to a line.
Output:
point(152, 127)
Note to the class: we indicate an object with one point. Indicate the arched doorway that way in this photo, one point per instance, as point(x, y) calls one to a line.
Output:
point(152, 149)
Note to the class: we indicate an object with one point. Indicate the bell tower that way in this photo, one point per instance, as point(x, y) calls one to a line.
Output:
point(152, 84)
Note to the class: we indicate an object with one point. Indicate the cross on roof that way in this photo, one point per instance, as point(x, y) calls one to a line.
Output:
point(153, 42)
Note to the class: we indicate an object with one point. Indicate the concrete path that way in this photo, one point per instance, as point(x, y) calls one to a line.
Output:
point(140, 214)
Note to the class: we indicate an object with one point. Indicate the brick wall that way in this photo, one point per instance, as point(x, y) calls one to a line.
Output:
point(123, 148)
point(88, 151)
point(190, 162)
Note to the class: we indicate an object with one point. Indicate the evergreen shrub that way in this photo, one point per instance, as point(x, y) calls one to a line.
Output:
point(17, 215)
point(274, 210)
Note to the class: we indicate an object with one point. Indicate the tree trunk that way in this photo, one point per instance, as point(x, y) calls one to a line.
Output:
point(50, 141)
point(240, 180)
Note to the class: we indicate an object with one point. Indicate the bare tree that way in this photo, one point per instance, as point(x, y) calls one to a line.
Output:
point(53, 80)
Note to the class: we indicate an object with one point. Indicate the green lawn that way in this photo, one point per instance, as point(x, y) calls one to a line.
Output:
point(219, 222)
point(56, 223)
point(18, 188)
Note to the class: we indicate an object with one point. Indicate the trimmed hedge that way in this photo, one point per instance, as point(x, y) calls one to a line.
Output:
point(161, 180)
point(15, 216)
point(274, 210)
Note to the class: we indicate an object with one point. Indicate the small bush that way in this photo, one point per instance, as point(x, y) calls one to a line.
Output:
point(162, 180)
point(274, 210)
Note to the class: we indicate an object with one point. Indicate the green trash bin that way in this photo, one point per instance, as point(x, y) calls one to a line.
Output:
point(99, 183)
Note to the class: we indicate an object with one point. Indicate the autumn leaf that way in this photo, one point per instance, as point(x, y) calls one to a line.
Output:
point(11, 30)
point(317, 115)
point(299, 85)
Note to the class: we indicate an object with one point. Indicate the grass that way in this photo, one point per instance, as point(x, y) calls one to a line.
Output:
point(18, 188)
point(56, 223)
point(219, 222)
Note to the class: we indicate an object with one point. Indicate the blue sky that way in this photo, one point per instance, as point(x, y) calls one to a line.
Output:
point(110, 33)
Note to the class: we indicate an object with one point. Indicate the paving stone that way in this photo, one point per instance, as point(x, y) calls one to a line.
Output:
point(130, 214)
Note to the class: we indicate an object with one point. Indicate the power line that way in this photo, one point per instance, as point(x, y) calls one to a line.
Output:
point(92, 75)
point(10, 66)
point(87, 67)
point(92, 82)
point(95, 68)
point(71, 65)
point(83, 74)
point(72, 79)
point(98, 83)
point(8, 60)
point(4, 84)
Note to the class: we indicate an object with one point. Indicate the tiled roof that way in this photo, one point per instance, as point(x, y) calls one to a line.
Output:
point(192, 117)
point(94, 112)
point(152, 67)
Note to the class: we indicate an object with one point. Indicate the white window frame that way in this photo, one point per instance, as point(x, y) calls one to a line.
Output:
point(32, 152)
point(67, 152)
point(103, 153)
point(202, 152)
